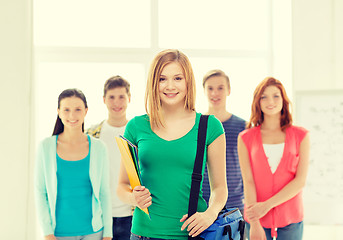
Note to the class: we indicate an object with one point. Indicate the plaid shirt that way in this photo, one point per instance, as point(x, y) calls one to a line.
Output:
point(95, 130)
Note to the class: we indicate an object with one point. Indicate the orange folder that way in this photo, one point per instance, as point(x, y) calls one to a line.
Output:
point(129, 157)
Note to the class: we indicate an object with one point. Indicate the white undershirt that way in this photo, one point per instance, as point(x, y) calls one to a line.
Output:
point(107, 134)
point(274, 154)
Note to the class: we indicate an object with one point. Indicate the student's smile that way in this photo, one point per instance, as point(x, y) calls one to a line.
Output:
point(170, 95)
point(117, 109)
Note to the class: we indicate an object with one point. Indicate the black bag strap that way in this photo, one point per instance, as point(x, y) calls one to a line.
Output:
point(241, 228)
point(227, 231)
point(197, 170)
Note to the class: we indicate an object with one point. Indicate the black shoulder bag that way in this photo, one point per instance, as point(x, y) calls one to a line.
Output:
point(229, 224)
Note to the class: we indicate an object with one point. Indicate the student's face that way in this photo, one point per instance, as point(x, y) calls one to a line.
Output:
point(271, 101)
point(72, 112)
point(216, 91)
point(172, 85)
point(116, 101)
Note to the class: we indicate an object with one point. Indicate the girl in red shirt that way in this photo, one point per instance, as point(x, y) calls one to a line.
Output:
point(274, 159)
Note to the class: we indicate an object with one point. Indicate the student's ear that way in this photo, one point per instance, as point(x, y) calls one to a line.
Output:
point(228, 92)
point(86, 111)
point(104, 97)
point(129, 98)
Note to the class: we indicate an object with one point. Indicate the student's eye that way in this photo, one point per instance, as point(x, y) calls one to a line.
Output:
point(263, 97)
point(276, 96)
point(221, 88)
point(162, 79)
point(121, 97)
point(78, 109)
point(210, 88)
point(178, 78)
point(66, 110)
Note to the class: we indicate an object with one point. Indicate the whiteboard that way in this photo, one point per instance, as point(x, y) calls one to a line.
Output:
point(321, 112)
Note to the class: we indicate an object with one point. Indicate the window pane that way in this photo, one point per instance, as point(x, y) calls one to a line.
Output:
point(244, 75)
point(84, 23)
point(53, 78)
point(217, 24)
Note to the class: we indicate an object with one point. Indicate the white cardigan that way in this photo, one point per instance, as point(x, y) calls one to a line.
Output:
point(46, 186)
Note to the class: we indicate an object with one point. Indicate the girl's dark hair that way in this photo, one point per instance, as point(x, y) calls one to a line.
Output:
point(71, 92)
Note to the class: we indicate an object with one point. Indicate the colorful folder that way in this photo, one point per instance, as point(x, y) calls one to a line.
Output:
point(129, 156)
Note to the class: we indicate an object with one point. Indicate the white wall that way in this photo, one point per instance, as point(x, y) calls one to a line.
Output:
point(317, 44)
point(317, 62)
point(15, 100)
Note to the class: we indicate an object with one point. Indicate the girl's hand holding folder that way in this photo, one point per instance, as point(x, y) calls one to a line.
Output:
point(141, 197)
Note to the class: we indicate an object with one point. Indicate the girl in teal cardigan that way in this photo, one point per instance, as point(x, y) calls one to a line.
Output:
point(72, 177)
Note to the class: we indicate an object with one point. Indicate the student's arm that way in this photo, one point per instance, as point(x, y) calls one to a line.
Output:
point(41, 195)
point(139, 196)
point(248, 179)
point(217, 175)
point(256, 229)
point(258, 210)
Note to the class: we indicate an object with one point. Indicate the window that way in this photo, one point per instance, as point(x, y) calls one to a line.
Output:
point(86, 23)
point(83, 43)
point(218, 24)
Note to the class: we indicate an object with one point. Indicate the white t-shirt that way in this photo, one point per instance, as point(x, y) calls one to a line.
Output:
point(274, 154)
point(107, 134)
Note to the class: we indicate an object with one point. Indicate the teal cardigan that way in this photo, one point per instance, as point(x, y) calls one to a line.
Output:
point(46, 186)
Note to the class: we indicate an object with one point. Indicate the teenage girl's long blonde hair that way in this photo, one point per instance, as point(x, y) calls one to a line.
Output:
point(152, 97)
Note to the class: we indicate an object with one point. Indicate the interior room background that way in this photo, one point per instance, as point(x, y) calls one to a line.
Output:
point(47, 46)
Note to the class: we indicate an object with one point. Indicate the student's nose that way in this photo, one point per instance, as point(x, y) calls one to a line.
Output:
point(72, 114)
point(270, 100)
point(170, 84)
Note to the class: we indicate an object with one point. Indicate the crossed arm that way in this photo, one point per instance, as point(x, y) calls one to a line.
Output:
point(256, 210)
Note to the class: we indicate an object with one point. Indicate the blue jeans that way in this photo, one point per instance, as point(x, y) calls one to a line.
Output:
point(121, 228)
point(136, 237)
point(93, 236)
point(292, 231)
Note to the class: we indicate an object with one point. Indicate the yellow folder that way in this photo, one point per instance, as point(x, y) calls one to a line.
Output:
point(129, 157)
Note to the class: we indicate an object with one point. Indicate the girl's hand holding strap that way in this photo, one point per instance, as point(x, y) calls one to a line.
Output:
point(197, 223)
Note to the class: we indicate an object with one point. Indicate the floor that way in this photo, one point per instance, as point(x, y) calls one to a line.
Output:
point(320, 232)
